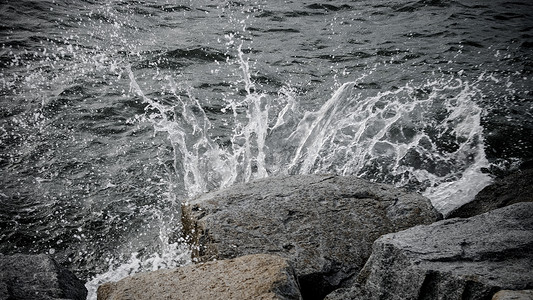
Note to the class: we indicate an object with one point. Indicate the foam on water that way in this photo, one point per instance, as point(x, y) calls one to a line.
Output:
point(201, 164)
point(173, 252)
point(174, 256)
point(426, 137)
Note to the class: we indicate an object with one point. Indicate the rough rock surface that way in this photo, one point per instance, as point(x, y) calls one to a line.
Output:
point(39, 277)
point(514, 188)
point(259, 276)
point(452, 259)
point(513, 295)
point(324, 224)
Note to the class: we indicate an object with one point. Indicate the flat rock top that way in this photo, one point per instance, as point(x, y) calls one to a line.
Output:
point(248, 277)
point(508, 227)
point(497, 246)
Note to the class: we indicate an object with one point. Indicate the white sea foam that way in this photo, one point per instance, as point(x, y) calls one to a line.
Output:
point(173, 256)
point(430, 141)
point(426, 137)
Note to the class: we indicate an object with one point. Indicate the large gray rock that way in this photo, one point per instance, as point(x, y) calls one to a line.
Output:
point(37, 277)
point(513, 295)
point(514, 188)
point(249, 277)
point(325, 224)
point(452, 259)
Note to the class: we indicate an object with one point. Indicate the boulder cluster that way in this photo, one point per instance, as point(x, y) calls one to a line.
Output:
point(37, 277)
point(330, 237)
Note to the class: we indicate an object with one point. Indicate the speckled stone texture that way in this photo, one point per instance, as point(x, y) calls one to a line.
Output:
point(324, 224)
point(37, 277)
point(513, 295)
point(514, 188)
point(463, 259)
point(249, 277)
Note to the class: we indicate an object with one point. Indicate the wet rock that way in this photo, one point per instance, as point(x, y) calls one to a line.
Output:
point(248, 277)
point(324, 224)
point(39, 277)
point(514, 188)
point(513, 295)
point(452, 259)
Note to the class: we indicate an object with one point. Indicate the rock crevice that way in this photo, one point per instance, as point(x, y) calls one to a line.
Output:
point(463, 259)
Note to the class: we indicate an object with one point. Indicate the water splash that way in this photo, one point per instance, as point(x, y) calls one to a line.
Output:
point(200, 163)
point(426, 137)
point(171, 251)
point(136, 264)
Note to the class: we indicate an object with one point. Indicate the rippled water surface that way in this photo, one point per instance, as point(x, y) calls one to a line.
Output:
point(113, 112)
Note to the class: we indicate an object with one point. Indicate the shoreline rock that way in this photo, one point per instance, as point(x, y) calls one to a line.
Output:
point(37, 277)
point(324, 237)
point(324, 224)
point(513, 188)
point(259, 276)
point(513, 295)
point(324, 228)
point(451, 259)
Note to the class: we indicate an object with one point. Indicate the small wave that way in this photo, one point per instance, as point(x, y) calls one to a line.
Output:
point(301, 13)
point(361, 54)
point(527, 45)
point(346, 57)
point(508, 16)
point(266, 14)
point(329, 7)
point(180, 58)
point(416, 5)
point(199, 54)
point(288, 30)
point(172, 8)
point(444, 33)
point(389, 52)
point(471, 43)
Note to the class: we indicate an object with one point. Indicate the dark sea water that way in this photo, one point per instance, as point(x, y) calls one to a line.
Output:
point(113, 112)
